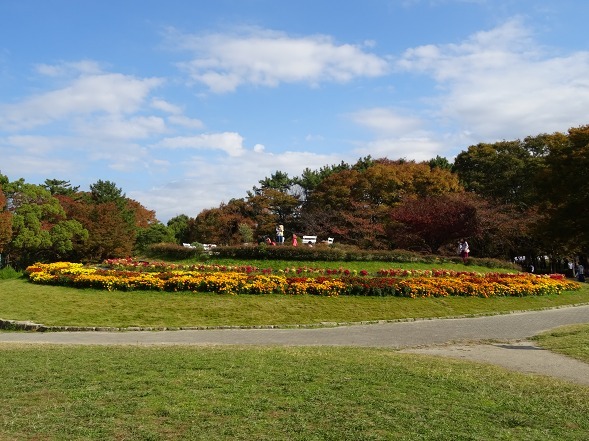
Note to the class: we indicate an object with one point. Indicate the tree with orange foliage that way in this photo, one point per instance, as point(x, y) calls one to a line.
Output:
point(221, 225)
point(354, 204)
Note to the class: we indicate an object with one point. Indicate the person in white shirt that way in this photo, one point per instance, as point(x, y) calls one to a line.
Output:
point(463, 249)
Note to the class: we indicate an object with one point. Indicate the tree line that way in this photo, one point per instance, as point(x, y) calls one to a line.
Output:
point(510, 198)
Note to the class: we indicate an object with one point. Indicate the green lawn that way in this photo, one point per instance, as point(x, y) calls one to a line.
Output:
point(177, 393)
point(568, 340)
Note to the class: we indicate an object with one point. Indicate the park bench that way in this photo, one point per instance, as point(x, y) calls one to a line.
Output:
point(206, 246)
point(313, 239)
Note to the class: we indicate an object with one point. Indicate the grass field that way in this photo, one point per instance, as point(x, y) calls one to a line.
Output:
point(236, 393)
point(141, 393)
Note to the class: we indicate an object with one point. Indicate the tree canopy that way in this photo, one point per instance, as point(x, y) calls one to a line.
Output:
point(509, 198)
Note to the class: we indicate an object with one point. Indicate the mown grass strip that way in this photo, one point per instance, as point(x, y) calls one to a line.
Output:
point(92, 393)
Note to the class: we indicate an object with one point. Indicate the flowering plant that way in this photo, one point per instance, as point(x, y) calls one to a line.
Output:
point(246, 280)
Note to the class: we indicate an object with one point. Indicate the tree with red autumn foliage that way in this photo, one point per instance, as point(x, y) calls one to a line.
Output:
point(354, 205)
point(428, 223)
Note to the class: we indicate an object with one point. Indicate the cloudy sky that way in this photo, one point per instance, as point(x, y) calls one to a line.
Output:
point(185, 104)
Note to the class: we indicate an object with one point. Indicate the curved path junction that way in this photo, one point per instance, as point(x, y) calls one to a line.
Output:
point(497, 339)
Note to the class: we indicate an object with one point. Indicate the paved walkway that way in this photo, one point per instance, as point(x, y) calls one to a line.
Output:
point(467, 338)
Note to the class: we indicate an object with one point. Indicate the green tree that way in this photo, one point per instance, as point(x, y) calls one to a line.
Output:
point(440, 162)
point(106, 191)
point(565, 184)
point(178, 225)
point(505, 171)
point(60, 187)
point(247, 233)
point(40, 228)
point(310, 179)
point(155, 233)
point(273, 207)
point(277, 181)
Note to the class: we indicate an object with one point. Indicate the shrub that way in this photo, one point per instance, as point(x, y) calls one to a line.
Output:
point(173, 251)
point(331, 253)
point(9, 273)
point(263, 251)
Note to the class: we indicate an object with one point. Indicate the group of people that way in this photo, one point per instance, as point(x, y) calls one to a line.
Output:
point(280, 237)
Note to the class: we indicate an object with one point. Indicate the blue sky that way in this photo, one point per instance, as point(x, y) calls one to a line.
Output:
point(187, 104)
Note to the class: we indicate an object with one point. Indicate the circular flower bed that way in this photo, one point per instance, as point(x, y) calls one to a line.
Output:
point(129, 275)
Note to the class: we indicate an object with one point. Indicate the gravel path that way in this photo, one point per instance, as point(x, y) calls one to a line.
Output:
point(465, 338)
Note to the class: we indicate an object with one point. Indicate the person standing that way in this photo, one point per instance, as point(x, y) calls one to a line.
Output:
point(294, 240)
point(280, 234)
point(580, 272)
point(463, 250)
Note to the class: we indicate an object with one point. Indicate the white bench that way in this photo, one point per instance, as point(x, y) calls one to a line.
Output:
point(329, 240)
point(206, 246)
point(309, 239)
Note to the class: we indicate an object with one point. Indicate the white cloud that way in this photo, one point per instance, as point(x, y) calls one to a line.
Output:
point(205, 183)
point(386, 121)
point(165, 106)
point(313, 138)
point(33, 155)
point(267, 58)
point(109, 93)
point(48, 156)
point(116, 127)
point(500, 84)
point(229, 142)
point(485, 51)
point(410, 148)
point(31, 144)
point(184, 121)
point(69, 68)
point(16, 165)
point(126, 158)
